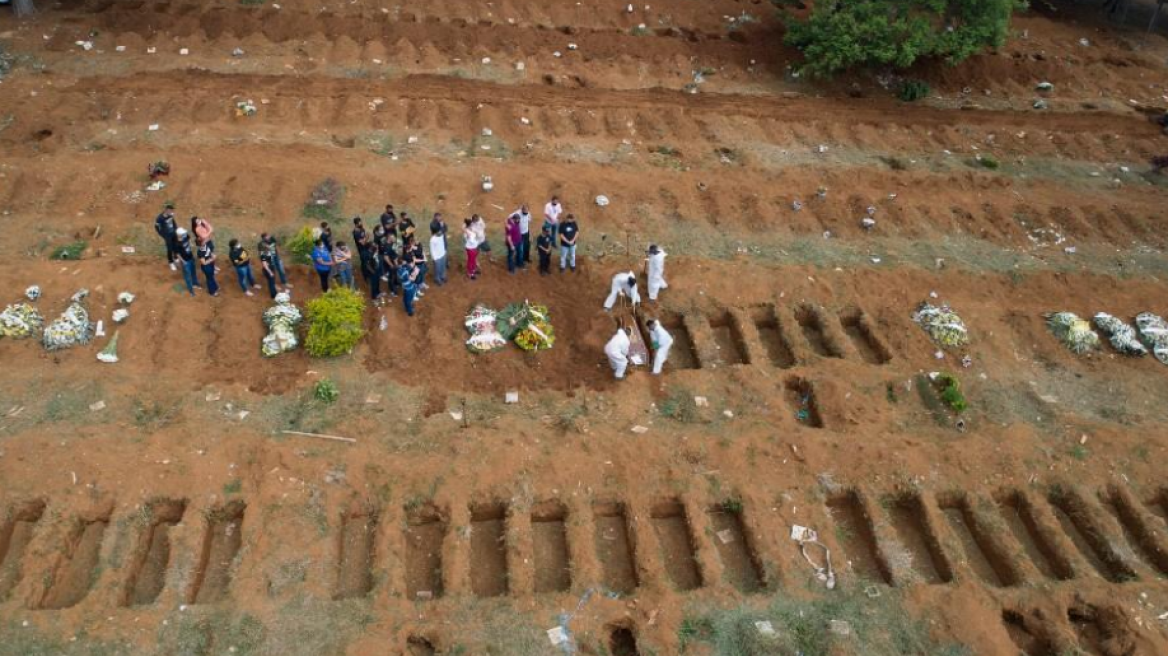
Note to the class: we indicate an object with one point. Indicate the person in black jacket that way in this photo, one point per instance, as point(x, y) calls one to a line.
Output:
point(166, 227)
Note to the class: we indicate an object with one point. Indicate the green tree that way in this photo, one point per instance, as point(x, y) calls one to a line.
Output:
point(843, 34)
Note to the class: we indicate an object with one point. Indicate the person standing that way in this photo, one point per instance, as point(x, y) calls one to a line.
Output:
point(241, 260)
point(569, 233)
point(343, 265)
point(514, 247)
point(269, 270)
point(523, 216)
point(361, 243)
point(184, 257)
point(206, 254)
point(438, 224)
point(202, 230)
point(322, 261)
point(408, 277)
point(661, 340)
point(389, 265)
point(268, 243)
point(326, 235)
point(413, 252)
point(166, 227)
point(655, 271)
point(371, 270)
point(544, 246)
point(480, 227)
point(438, 253)
point(405, 226)
point(623, 284)
point(470, 240)
point(388, 221)
point(551, 214)
point(617, 351)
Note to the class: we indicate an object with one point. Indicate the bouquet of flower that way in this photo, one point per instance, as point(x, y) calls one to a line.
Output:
point(1073, 332)
point(943, 325)
point(1154, 334)
point(109, 354)
point(481, 324)
point(20, 321)
point(246, 108)
point(1122, 336)
point(71, 328)
point(537, 336)
point(281, 320)
point(514, 318)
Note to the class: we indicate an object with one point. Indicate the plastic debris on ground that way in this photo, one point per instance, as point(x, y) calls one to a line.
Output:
point(281, 320)
point(1154, 334)
point(109, 354)
point(32, 293)
point(807, 537)
point(1075, 333)
point(125, 298)
point(484, 336)
point(1123, 337)
point(72, 328)
point(942, 324)
point(20, 321)
point(120, 315)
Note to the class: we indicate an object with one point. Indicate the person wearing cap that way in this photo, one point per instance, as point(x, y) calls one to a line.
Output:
point(623, 284)
point(617, 350)
point(184, 257)
point(661, 340)
point(166, 226)
point(655, 271)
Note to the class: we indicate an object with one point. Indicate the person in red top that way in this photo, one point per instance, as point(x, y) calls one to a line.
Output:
point(513, 236)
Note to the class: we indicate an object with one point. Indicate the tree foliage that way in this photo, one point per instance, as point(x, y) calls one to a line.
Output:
point(843, 34)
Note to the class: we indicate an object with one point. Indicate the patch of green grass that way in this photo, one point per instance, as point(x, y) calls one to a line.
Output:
point(219, 632)
point(252, 3)
point(913, 90)
point(878, 627)
point(70, 251)
point(986, 161)
point(640, 30)
point(234, 486)
point(732, 505)
point(154, 415)
point(17, 640)
point(680, 406)
point(1080, 452)
point(326, 391)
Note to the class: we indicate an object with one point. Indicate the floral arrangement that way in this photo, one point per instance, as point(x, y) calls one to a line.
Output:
point(20, 321)
point(537, 336)
point(944, 326)
point(72, 327)
point(484, 336)
point(1122, 336)
point(1073, 332)
point(1154, 334)
point(281, 320)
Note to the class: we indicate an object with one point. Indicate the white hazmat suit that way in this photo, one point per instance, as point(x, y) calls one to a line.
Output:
point(661, 340)
point(617, 351)
point(656, 273)
point(623, 284)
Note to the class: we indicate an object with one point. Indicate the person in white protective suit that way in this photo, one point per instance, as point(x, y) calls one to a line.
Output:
point(617, 351)
point(623, 284)
point(661, 341)
point(655, 271)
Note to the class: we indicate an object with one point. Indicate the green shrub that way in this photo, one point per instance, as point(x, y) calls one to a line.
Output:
point(334, 322)
point(326, 391)
point(844, 34)
point(69, 251)
point(301, 245)
point(988, 162)
point(951, 393)
point(913, 90)
point(324, 201)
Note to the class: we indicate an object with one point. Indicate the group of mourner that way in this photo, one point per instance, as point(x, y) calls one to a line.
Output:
point(393, 260)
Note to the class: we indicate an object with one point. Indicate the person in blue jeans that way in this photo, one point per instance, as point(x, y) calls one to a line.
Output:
point(343, 263)
point(569, 233)
point(407, 274)
point(241, 260)
point(269, 271)
point(268, 243)
point(322, 261)
point(206, 254)
point(184, 257)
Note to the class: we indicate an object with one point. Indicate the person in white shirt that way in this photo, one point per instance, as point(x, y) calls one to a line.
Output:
point(617, 351)
point(480, 228)
point(661, 341)
point(523, 215)
point(551, 214)
point(438, 255)
point(655, 271)
point(623, 284)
